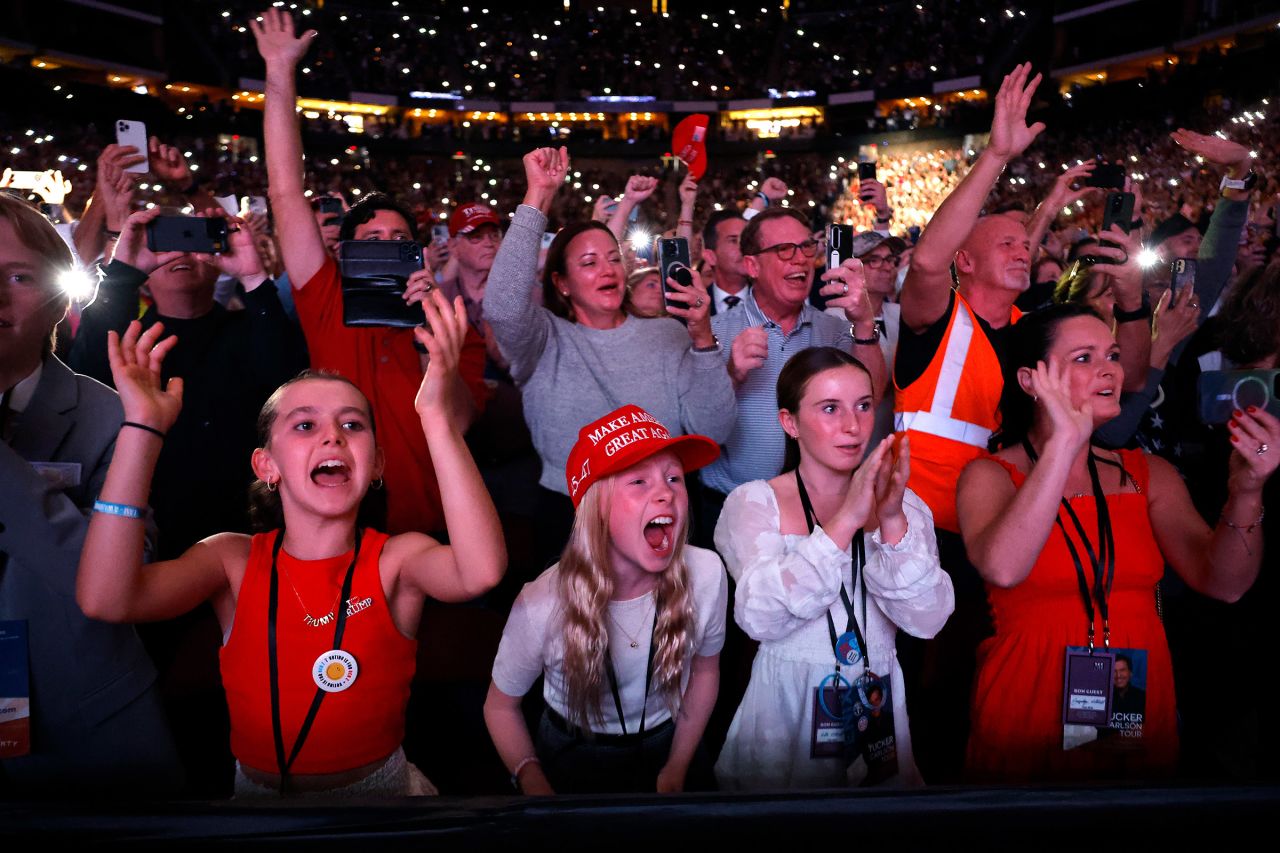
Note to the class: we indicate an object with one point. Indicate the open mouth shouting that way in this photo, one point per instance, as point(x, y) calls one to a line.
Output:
point(331, 473)
point(658, 532)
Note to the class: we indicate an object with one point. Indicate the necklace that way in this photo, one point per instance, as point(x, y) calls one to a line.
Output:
point(635, 643)
point(307, 617)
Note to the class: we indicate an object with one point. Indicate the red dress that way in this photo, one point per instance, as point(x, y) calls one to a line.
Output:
point(1017, 732)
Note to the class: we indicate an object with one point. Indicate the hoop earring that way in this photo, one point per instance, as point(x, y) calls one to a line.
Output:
point(271, 485)
point(376, 484)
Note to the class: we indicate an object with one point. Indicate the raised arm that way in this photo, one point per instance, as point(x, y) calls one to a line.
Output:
point(1004, 528)
point(1134, 335)
point(112, 584)
point(688, 202)
point(300, 241)
point(926, 291)
point(476, 557)
point(1061, 194)
point(639, 188)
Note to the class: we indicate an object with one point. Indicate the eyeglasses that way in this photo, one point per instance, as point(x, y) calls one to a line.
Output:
point(879, 261)
point(787, 251)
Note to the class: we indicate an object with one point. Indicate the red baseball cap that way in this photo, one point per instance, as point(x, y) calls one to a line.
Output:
point(624, 437)
point(689, 142)
point(469, 217)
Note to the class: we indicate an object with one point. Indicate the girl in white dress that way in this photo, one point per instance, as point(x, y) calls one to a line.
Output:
point(831, 558)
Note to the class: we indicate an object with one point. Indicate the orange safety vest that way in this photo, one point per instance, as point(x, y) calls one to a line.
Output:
point(950, 411)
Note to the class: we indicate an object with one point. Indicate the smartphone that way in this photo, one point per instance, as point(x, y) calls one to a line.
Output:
point(1184, 274)
point(439, 234)
point(548, 237)
point(199, 234)
point(839, 245)
point(674, 263)
point(257, 204)
point(134, 133)
point(24, 180)
point(374, 276)
point(1118, 211)
point(1107, 176)
point(332, 208)
point(1222, 392)
point(866, 170)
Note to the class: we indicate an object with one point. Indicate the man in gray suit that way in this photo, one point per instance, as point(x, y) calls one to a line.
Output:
point(96, 724)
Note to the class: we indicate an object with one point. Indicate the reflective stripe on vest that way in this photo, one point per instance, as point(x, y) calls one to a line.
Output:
point(937, 420)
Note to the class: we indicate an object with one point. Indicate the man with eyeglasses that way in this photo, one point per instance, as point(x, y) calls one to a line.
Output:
point(773, 323)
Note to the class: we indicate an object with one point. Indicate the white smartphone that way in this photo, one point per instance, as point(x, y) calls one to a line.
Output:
point(134, 133)
point(24, 180)
point(256, 204)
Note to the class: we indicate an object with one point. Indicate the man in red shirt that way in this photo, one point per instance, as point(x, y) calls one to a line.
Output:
point(382, 362)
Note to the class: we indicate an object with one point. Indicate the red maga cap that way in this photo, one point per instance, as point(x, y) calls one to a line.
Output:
point(624, 437)
point(469, 217)
point(689, 142)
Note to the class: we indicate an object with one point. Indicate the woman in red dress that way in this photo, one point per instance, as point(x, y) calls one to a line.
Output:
point(1059, 576)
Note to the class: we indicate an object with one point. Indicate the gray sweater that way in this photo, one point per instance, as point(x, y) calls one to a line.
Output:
point(571, 375)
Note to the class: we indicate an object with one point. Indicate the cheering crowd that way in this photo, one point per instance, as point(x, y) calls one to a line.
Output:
point(944, 507)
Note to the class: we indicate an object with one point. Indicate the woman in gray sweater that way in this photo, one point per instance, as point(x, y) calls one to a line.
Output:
point(581, 356)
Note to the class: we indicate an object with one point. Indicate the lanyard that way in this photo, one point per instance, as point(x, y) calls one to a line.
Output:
point(859, 553)
point(648, 677)
point(272, 607)
point(1103, 560)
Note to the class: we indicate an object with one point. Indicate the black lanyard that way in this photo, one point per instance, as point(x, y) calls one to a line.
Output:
point(648, 677)
point(1103, 560)
point(858, 551)
point(272, 657)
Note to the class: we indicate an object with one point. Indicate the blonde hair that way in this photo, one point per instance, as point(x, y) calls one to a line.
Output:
point(586, 585)
point(36, 232)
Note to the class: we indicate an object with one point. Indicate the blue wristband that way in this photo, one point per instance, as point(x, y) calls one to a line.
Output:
point(121, 510)
point(763, 197)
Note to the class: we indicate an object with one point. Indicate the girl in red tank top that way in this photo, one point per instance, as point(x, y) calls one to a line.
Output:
point(319, 615)
point(1077, 683)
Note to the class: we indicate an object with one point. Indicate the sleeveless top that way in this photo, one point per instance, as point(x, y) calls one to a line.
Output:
point(1016, 733)
point(951, 410)
point(354, 727)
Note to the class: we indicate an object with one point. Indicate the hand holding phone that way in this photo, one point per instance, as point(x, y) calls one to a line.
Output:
point(674, 263)
point(134, 133)
point(195, 234)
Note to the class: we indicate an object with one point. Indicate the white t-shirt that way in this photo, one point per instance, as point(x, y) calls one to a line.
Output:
point(533, 642)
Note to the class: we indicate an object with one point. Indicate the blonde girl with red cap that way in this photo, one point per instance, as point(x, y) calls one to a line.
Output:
point(319, 616)
point(626, 629)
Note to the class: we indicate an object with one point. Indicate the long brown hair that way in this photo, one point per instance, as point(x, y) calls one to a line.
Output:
point(557, 264)
point(794, 379)
point(586, 585)
point(265, 509)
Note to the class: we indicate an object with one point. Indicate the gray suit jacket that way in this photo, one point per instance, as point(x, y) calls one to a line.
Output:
point(97, 725)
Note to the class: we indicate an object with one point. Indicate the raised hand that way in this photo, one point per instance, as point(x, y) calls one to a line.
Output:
point(1071, 426)
point(544, 171)
point(639, 188)
point(1213, 148)
point(873, 194)
point(132, 249)
point(603, 207)
point(1178, 319)
point(169, 165)
point(52, 187)
point(749, 351)
point(774, 189)
point(115, 188)
point(696, 310)
point(1063, 193)
point(846, 288)
point(443, 334)
point(1126, 273)
point(241, 261)
point(273, 31)
point(688, 193)
point(1255, 436)
point(1010, 134)
point(135, 369)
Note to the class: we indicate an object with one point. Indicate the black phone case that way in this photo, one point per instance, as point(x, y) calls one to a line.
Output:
point(1106, 175)
point(866, 171)
point(374, 275)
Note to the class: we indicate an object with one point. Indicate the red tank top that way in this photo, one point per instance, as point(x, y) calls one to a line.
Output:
point(354, 727)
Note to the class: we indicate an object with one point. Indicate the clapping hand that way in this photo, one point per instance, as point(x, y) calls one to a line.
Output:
point(135, 370)
point(891, 485)
point(1070, 425)
point(749, 351)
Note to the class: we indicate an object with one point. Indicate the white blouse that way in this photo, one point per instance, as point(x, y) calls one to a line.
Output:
point(786, 586)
